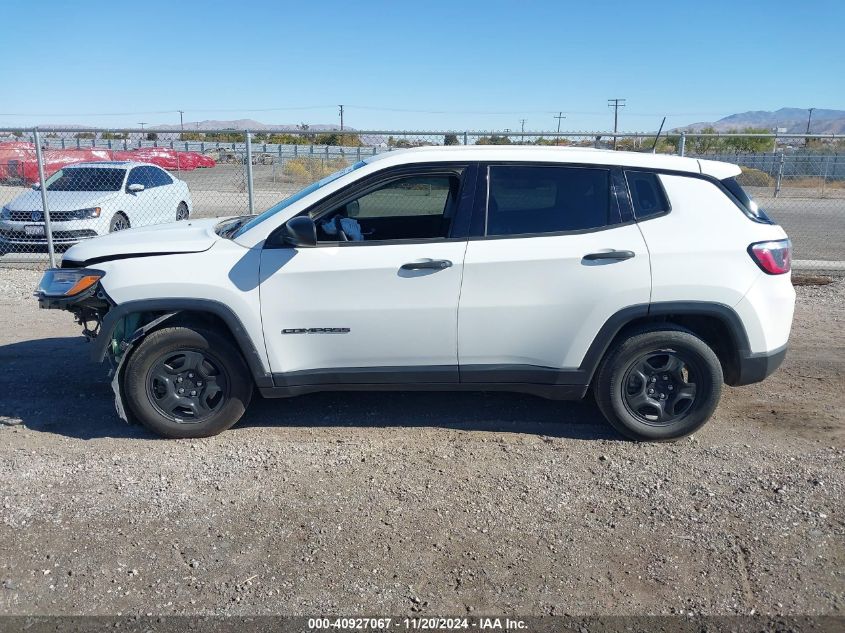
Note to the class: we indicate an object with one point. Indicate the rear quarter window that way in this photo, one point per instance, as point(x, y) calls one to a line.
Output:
point(745, 202)
point(647, 194)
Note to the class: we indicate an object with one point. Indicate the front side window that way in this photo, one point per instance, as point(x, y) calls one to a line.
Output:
point(548, 199)
point(407, 208)
point(647, 194)
point(86, 179)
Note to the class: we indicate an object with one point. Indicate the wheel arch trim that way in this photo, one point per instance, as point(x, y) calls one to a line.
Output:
point(621, 319)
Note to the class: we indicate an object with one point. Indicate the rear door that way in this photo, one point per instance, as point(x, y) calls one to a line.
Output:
point(560, 255)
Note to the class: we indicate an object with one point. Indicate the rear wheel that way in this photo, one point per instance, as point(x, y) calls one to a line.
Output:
point(660, 383)
point(183, 383)
point(182, 212)
point(119, 222)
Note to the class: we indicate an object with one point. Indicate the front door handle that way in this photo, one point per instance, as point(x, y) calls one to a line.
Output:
point(619, 255)
point(427, 264)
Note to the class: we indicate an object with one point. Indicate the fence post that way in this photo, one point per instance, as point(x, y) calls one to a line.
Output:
point(48, 228)
point(780, 175)
point(682, 145)
point(465, 138)
point(249, 192)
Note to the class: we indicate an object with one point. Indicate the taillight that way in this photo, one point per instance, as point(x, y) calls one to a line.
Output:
point(774, 258)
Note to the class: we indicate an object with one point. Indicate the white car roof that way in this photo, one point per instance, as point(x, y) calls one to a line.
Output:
point(551, 154)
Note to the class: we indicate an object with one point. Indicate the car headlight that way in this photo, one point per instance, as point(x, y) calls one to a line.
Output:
point(60, 282)
point(84, 214)
point(6, 213)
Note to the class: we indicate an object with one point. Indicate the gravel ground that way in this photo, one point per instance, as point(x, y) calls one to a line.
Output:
point(418, 503)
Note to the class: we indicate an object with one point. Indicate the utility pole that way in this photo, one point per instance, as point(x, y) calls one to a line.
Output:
point(142, 125)
point(615, 104)
point(181, 123)
point(809, 119)
point(341, 117)
point(522, 130)
point(560, 115)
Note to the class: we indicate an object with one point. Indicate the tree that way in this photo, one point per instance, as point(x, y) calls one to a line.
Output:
point(749, 144)
point(493, 139)
point(451, 139)
point(152, 136)
point(339, 139)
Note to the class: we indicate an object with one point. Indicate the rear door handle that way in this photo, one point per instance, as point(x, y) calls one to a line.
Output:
point(427, 264)
point(619, 255)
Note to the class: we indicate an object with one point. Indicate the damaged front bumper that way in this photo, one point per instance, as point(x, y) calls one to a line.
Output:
point(113, 333)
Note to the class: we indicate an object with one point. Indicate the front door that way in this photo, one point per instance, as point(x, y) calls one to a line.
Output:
point(557, 261)
point(376, 301)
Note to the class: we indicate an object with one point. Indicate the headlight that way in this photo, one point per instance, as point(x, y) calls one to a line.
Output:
point(6, 214)
point(84, 214)
point(58, 282)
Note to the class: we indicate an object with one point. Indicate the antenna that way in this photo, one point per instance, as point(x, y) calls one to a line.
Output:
point(654, 147)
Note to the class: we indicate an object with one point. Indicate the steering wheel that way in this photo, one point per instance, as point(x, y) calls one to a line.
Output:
point(341, 236)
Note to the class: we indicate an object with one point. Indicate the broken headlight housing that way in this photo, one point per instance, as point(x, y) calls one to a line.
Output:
point(65, 283)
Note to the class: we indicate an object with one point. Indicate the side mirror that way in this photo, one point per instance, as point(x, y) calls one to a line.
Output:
point(300, 231)
point(135, 188)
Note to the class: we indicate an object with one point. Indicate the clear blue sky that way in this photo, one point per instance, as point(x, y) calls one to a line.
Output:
point(426, 64)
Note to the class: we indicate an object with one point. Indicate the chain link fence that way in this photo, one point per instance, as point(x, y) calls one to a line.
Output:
point(97, 182)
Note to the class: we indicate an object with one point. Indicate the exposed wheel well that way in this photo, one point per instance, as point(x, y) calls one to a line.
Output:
point(133, 326)
point(711, 329)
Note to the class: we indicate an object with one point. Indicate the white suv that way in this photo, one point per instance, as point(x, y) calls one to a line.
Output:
point(650, 279)
point(90, 199)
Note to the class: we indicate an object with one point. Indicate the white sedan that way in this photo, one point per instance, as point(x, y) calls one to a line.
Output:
point(90, 199)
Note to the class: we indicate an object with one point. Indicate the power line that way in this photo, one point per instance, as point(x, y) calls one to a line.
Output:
point(615, 104)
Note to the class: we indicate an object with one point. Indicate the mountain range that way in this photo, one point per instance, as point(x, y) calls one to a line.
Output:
point(793, 119)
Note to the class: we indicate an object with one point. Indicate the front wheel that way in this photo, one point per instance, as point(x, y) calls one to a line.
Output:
point(184, 383)
point(182, 212)
point(119, 222)
point(660, 383)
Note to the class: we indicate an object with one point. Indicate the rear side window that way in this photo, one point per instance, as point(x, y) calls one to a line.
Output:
point(545, 199)
point(748, 206)
point(647, 194)
point(159, 177)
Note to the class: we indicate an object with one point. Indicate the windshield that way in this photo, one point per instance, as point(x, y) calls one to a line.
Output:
point(299, 195)
point(86, 179)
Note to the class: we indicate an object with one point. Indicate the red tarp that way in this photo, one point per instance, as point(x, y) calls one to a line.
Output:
point(17, 159)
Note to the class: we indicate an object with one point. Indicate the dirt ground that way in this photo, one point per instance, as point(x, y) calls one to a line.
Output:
point(418, 503)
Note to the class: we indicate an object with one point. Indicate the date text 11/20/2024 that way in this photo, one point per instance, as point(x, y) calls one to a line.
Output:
point(418, 624)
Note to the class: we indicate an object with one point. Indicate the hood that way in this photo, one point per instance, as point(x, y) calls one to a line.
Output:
point(61, 200)
point(175, 237)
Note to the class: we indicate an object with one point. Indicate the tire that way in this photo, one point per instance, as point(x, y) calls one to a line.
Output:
point(119, 222)
point(168, 360)
point(182, 212)
point(648, 359)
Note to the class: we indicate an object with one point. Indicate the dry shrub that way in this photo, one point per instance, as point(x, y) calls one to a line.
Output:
point(310, 169)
